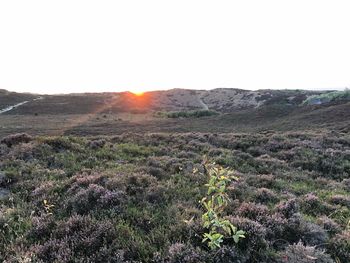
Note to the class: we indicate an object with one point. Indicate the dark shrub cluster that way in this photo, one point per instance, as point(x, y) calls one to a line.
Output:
point(341, 200)
point(255, 234)
point(191, 114)
point(265, 195)
point(96, 144)
point(95, 196)
point(16, 139)
point(329, 225)
point(288, 208)
point(180, 252)
point(298, 253)
point(339, 246)
point(312, 205)
point(80, 238)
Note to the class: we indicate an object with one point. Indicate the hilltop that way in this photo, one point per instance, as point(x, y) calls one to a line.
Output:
point(223, 100)
point(177, 110)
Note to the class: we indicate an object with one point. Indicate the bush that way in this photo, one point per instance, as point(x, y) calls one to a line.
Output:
point(299, 229)
point(95, 196)
point(96, 144)
point(60, 144)
point(255, 239)
point(288, 208)
point(264, 196)
point(329, 225)
point(228, 254)
point(312, 205)
point(327, 97)
point(341, 200)
point(346, 183)
point(339, 246)
point(15, 139)
point(42, 227)
point(253, 211)
point(79, 239)
point(298, 253)
point(265, 180)
point(191, 114)
point(313, 234)
point(184, 253)
point(215, 202)
point(276, 226)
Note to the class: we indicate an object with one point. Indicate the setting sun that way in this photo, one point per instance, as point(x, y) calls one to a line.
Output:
point(137, 93)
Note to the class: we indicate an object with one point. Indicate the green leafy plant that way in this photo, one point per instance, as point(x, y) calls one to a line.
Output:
point(214, 203)
point(48, 207)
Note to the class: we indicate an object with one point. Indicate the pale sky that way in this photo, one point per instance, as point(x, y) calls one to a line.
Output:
point(66, 46)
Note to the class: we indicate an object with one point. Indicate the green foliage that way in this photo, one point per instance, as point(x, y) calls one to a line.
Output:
point(214, 203)
point(191, 114)
point(327, 97)
point(13, 225)
point(130, 150)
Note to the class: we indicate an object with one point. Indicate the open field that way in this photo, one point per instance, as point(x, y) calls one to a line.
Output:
point(332, 117)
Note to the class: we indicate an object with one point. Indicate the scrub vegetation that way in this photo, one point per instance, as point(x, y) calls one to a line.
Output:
point(137, 197)
point(190, 114)
point(328, 97)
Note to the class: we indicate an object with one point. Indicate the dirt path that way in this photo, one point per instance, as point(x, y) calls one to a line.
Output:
point(9, 108)
point(201, 102)
point(13, 107)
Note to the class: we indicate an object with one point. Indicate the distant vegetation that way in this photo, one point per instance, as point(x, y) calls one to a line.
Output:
point(328, 97)
point(189, 114)
point(135, 198)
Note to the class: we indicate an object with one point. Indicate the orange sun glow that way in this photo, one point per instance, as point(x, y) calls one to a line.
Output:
point(137, 92)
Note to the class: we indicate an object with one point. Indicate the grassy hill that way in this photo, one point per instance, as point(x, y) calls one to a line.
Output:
point(220, 110)
point(10, 98)
point(221, 100)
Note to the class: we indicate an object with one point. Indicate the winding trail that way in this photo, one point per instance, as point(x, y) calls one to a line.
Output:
point(201, 102)
point(9, 108)
point(13, 107)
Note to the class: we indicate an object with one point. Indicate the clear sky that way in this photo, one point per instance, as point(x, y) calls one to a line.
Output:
point(66, 46)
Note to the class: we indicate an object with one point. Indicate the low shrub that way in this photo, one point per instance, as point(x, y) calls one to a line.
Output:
point(264, 196)
point(215, 202)
point(253, 211)
point(15, 139)
point(339, 246)
point(288, 208)
point(228, 254)
point(185, 253)
point(329, 225)
point(312, 205)
point(96, 144)
point(191, 114)
point(298, 253)
point(340, 200)
point(95, 196)
point(265, 180)
point(255, 234)
point(79, 239)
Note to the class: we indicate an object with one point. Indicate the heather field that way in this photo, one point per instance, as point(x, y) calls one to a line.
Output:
point(136, 198)
point(174, 131)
